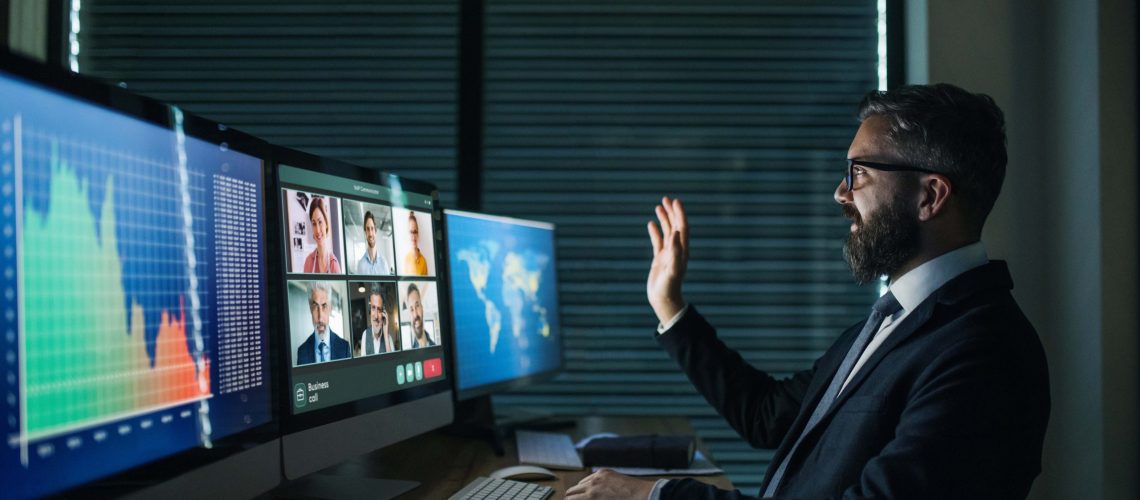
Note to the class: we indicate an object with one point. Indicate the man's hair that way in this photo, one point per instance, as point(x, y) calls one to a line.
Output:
point(377, 291)
point(367, 216)
point(945, 129)
point(319, 285)
point(413, 288)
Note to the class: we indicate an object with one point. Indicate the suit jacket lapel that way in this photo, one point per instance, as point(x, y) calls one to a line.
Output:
point(825, 370)
point(907, 328)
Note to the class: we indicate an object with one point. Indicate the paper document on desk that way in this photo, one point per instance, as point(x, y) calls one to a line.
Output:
point(701, 467)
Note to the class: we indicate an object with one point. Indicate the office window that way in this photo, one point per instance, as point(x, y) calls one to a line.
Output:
point(369, 82)
point(745, 111)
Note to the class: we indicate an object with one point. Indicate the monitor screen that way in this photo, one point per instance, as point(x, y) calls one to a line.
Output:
point(134, 311)
point(504, 296)
point(362, 307)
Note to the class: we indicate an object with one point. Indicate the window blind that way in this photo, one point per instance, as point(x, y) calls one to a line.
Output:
point(368, 82)
point(744, 110)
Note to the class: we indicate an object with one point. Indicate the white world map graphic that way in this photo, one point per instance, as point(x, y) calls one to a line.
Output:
point(519, 279)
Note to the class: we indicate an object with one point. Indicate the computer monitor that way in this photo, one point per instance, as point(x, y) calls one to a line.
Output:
point(135, 318)
point(364, 342)
point(504, 297)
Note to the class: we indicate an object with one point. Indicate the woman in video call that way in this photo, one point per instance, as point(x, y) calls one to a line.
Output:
point(322, 259)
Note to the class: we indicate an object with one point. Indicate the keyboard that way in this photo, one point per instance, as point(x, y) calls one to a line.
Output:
point(502, 489)
point(548, 449)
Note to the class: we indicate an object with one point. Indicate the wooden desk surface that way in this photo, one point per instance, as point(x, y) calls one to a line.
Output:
point(443, 463)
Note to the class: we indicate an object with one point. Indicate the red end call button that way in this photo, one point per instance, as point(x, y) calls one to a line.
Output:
point(433, 368)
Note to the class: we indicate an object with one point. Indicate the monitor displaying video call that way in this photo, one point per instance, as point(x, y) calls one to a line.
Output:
point(362, 292)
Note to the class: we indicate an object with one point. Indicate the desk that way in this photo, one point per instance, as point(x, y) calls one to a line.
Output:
point(443, 463)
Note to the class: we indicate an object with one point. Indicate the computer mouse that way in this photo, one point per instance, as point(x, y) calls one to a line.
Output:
point(523, 473)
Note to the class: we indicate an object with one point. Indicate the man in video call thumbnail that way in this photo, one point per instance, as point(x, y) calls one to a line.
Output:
point(415, 306)
point(323, 344)
point(372, 262)
point(377, 338)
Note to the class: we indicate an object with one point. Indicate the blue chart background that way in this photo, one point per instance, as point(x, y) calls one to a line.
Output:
point(476, 365)
point(74, 121)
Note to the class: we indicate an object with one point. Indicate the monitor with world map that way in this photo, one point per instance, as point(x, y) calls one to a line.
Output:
point(504, 296)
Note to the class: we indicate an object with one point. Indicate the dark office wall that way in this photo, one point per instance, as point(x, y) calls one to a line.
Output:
point(369, 82)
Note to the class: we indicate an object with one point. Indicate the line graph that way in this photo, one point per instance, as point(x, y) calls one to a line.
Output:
point(106, 270)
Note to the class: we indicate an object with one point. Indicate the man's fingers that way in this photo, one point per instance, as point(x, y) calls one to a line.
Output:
point(655, 237)
point(675, 242)
point(580, 488)
point(667, 204)
point(663, 217)
point(576, 489)
point(680, 221)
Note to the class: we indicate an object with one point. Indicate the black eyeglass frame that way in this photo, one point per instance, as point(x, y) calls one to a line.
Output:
point(886, 167)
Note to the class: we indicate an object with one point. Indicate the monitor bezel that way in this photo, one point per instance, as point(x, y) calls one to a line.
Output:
point(186, 462)
point(293, 423)
point(518, 382)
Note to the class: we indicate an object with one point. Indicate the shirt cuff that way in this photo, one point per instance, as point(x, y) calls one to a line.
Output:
point(669, 324)
point(655, 494)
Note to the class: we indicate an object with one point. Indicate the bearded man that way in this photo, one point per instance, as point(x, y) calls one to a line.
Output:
point(943, 391)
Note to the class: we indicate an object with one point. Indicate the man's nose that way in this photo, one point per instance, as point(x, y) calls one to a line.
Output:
point(842, 194)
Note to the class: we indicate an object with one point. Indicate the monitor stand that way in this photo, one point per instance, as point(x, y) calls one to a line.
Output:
point(475, 417)
point(318, 485)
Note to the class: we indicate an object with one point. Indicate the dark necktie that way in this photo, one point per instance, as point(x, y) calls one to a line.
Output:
point(884, 307)
point(323, 348)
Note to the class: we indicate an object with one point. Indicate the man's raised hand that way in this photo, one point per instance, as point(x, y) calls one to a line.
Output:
point(670, 259)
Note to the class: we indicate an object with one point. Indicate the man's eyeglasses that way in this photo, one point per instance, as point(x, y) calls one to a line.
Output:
point(886, 167)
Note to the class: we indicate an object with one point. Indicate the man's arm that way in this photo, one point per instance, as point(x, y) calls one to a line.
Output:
point(756, 405)
point(760, 408)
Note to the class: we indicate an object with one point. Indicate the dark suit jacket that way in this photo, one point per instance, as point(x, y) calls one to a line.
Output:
point(306, 353)
point(952, 405)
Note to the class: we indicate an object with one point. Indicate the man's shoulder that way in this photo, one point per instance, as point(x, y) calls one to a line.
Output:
point(309, 340)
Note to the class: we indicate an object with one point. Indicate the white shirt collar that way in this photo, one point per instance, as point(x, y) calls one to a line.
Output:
point(915, 286)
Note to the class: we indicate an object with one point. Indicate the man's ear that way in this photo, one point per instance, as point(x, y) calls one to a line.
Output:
point(934, 197)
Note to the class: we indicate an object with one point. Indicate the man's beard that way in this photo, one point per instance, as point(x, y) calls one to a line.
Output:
point(418, 326)
point(882, 245)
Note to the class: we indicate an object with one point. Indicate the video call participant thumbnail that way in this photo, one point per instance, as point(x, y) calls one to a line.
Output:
point(420, 313)
point(315, 316)
point(414, 244)
point(375, 318)
point(368, 232)
point(313, 231)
